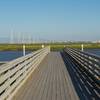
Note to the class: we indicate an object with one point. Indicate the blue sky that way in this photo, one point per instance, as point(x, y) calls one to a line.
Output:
point(51, 19)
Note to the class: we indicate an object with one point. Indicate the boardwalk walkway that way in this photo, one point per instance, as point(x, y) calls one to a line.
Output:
point(50, 81)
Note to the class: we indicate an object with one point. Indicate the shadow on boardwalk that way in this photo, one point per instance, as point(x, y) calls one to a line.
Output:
point(84, 85)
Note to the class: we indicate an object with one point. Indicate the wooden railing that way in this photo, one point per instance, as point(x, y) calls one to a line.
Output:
point(13, 73)
point(89, 62)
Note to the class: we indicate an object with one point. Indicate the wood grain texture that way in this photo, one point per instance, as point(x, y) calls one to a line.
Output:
point(50, 81)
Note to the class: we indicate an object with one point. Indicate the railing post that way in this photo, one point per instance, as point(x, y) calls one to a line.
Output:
point(23, 50)
point(42, 46)
point(82, 47)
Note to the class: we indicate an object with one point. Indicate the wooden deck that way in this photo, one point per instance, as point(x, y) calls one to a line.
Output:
point(50, 81)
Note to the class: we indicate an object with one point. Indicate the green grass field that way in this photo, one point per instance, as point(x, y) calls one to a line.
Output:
point(54, 46)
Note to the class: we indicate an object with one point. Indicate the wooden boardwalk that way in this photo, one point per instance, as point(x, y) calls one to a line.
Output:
point(50, 81)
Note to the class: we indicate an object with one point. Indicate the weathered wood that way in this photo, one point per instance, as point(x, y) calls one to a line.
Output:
point(89, 62)
point(13, 73)
point(50, 81)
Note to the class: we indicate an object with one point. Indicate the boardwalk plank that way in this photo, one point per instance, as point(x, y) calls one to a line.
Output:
point(50, 81)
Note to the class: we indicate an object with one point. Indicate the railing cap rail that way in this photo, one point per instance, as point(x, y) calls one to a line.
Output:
point(86, 53)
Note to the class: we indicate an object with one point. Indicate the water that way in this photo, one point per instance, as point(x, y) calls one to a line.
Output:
point(94, 51)
point(10, 55)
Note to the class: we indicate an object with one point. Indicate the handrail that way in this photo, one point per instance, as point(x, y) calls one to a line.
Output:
point(14, 72)
point(90, 62)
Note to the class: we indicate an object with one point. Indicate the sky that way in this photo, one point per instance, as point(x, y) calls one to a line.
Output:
point(76, 20)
